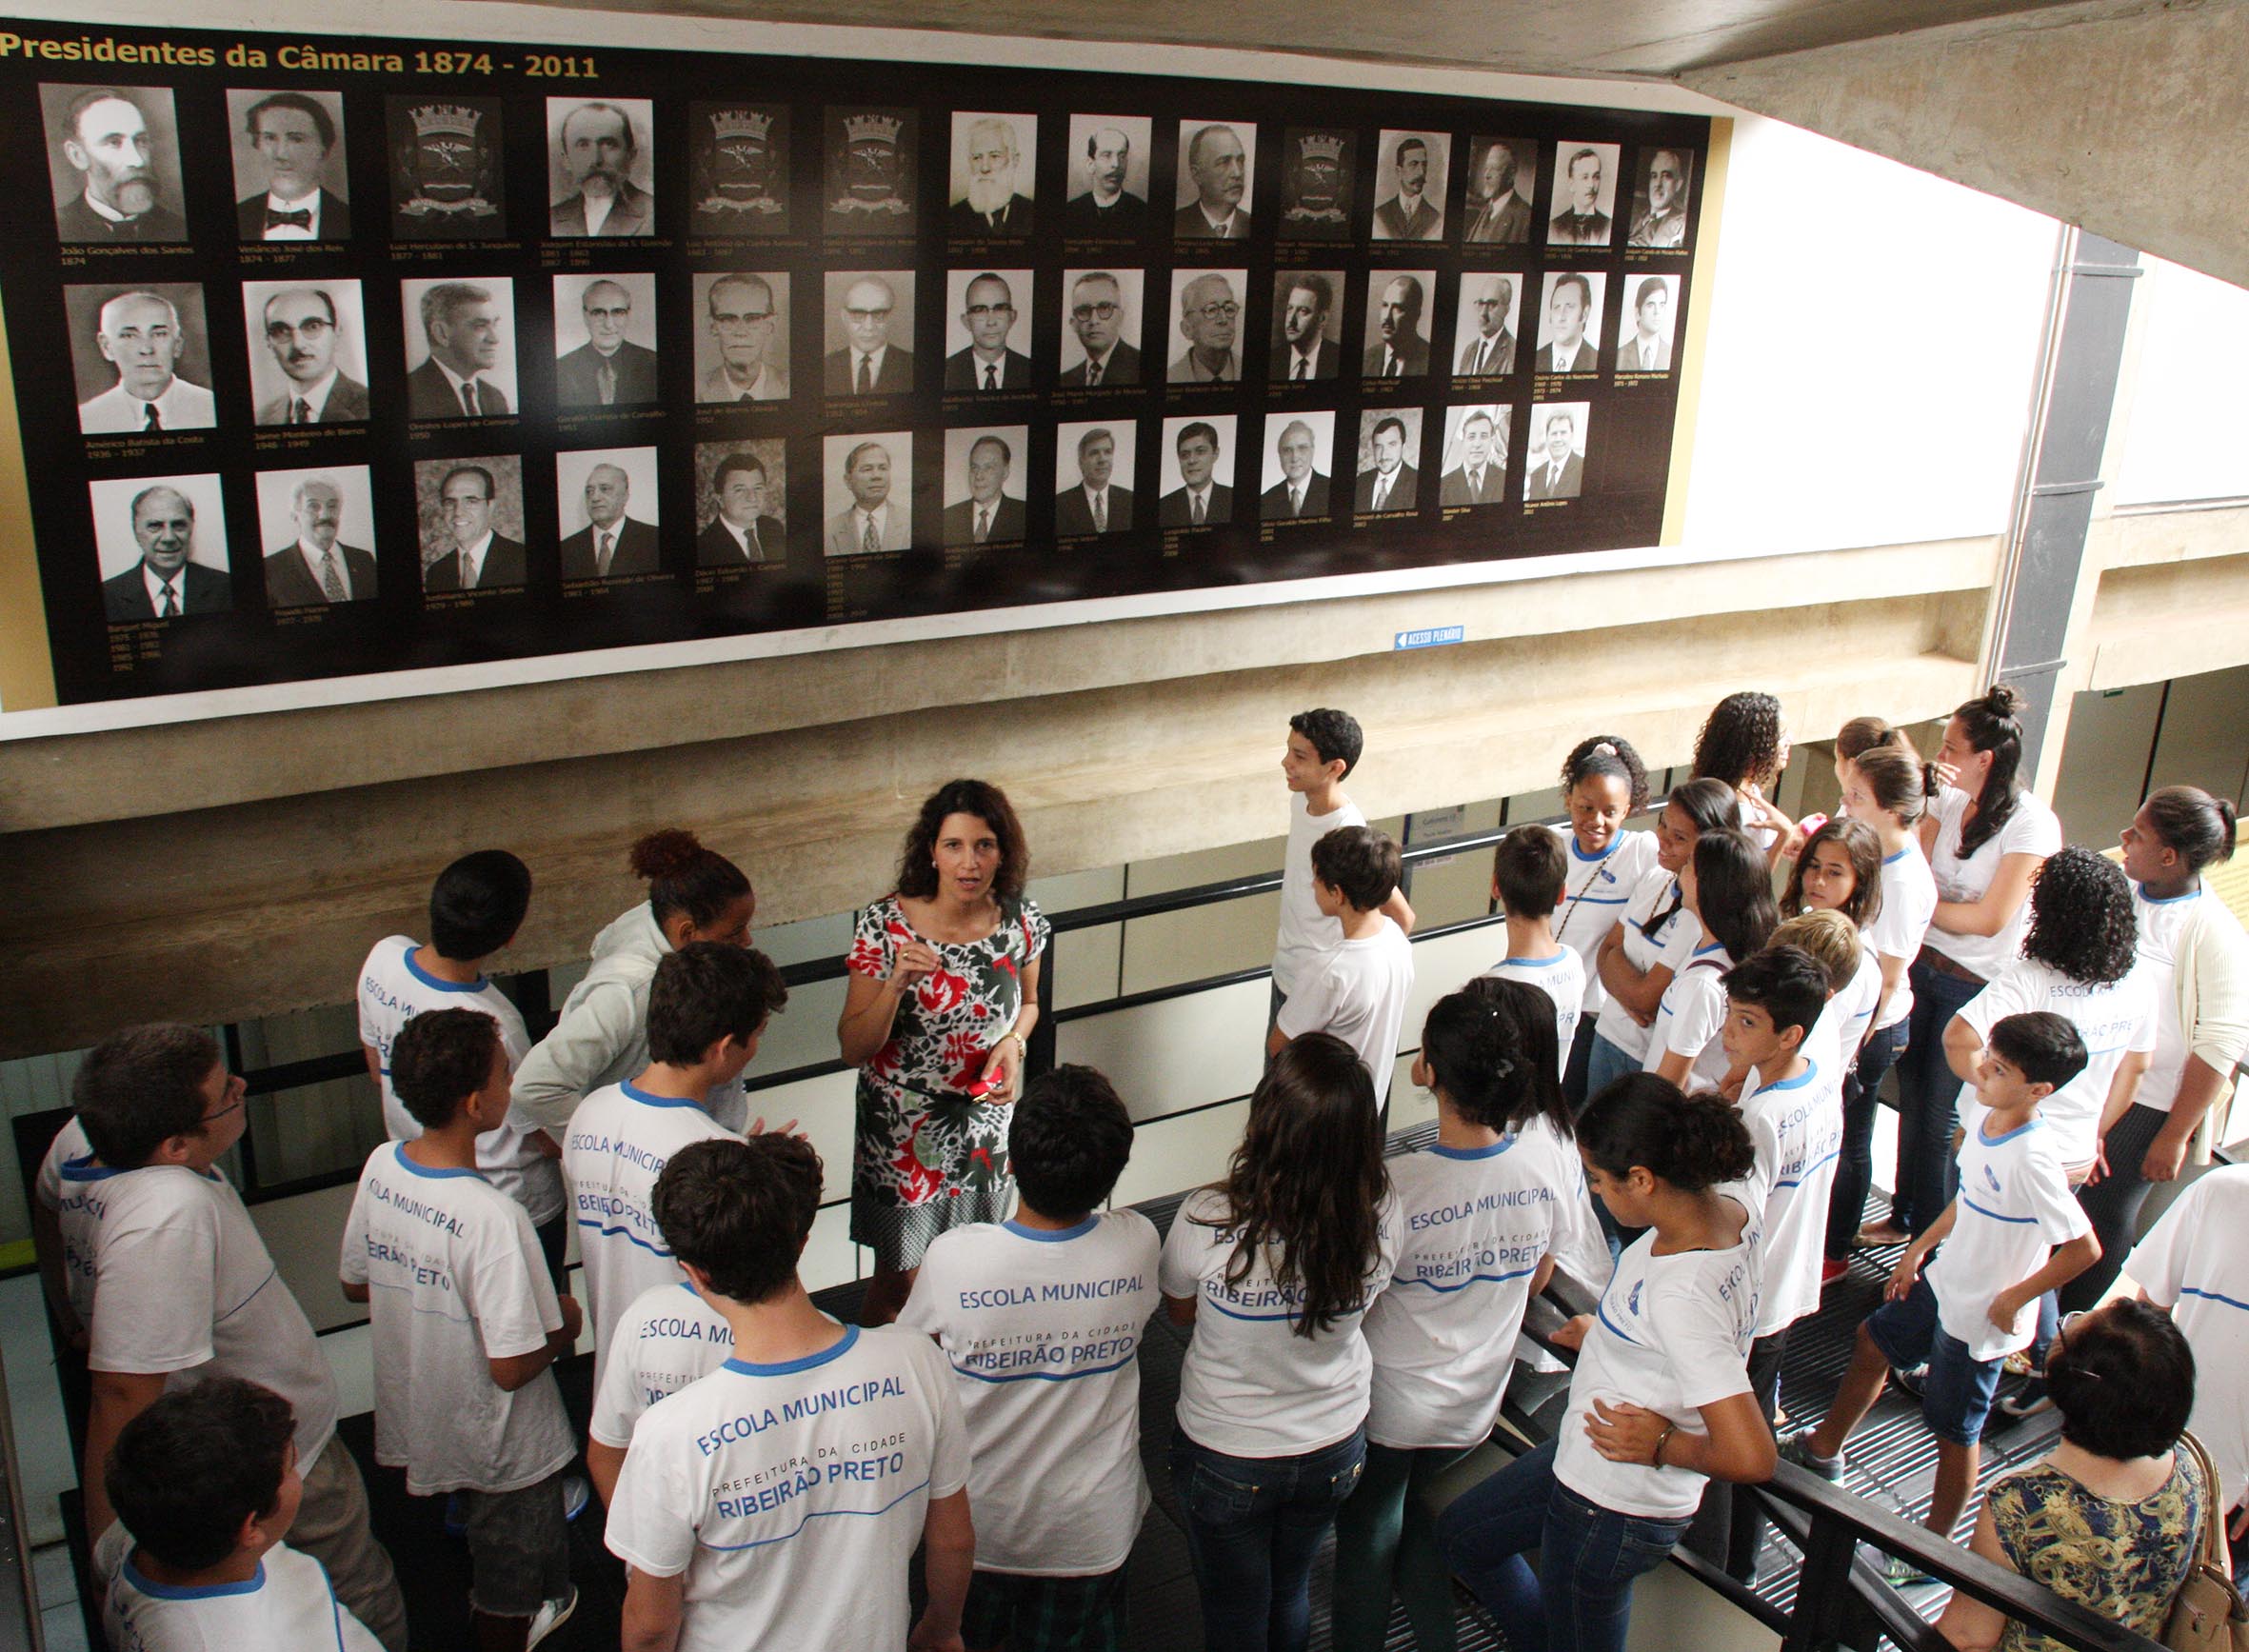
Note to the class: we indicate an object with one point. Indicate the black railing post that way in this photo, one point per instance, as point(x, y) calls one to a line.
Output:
point(1039, 1058)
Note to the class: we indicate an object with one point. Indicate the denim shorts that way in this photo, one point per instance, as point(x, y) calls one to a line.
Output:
point(1957, 1397)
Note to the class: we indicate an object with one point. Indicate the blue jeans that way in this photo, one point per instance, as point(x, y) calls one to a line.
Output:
point(1606, 1064)
point(1576, 1071)
point(1253, 1525)
point(1588, 1557)
point(1927, 1094)
point(1853, 1166)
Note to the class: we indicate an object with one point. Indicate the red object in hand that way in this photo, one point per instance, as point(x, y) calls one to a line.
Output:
point(1812, 823)
point(983, 1087)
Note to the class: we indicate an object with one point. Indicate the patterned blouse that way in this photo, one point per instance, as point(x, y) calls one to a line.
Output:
point(2124, 1560)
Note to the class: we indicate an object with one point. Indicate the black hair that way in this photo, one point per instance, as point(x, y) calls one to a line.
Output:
point(1734, 892)
point(706, 991)
point(1606, 756)
point(2044, 1048)
point(1493, 1050)
point(1862, 848)
point(323, 122)
point(478, 904)
point(140, 1087)
point(1691, 1142)
point(685, 877)
point(1895, 777)
point(1993, 723)
point(439, 1059)
point(1710, 806)
point(1787, 983)
point(2082, 921)
point(741, 1211)
point(2124, 1380)
point(1529, 870)
point(917, 860)
point(1739, 741)
point(2197, 826)
point(186, 1472)
point(1333, 734)
point(1068, 1142)
point(1359, 860)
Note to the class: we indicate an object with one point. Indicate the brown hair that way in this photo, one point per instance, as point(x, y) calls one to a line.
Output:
point(917, 860)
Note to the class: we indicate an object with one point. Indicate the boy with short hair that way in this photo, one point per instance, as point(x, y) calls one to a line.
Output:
point(2013, 1219)
point(466, 1324)
point(1322, 746)
point(204, 1483)
point(1528, 872)
point(1359, 986)
point(707, 1006)
point(728, 1512)
point(668, 1337)
point(1041, 1317)
point(1854, 982)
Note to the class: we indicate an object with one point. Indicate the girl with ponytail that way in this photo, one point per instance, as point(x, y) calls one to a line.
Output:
point(1603, 785)
point(1728, 895)
point(1661, 1402)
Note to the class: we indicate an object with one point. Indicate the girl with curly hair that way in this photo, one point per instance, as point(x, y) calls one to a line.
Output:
point(1603, 785)
point(1744, 744)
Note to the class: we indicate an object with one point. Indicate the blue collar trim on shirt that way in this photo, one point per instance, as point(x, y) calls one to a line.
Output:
point(85, 1169)
point(193, 1591)
point(2168, 899)
point(646, 1100)
point(1707, 951)
point(398, 1152)
point(1892, 859)
point(835, 1350)
point(1534, 963)
point(1051, 1235)
point(431, 981)
point(1578, 854)
point(1468, 1153)
point(1811, 1071)
point(1995, 1140)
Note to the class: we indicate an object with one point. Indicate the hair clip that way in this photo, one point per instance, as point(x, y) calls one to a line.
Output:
point(1606, 750)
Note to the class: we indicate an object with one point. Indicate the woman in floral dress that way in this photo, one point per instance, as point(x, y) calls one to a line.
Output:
point(943, 991)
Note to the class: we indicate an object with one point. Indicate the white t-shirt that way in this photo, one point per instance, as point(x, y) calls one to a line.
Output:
point(183, 1284)
point(454, 1280)
point(2160, 922)
point(1250, 1387)
point(1672, 1334)
point(1357, 991)
point(1477, 1223)
point(620, 1139)
point(2112, 1017)
point(793, 1495)
point(1043, 1332)
point(2192, 1260)
point(1595, 891)
point(393, 988)
point(1581, 1249)
point(1561, 978)
point(2014, 1206)
point(1909, 897)
point(1669, 943)
point(1688, 1022)
point(70, 1142)
point(1844, 1018)
point(2031, 829)
point(665, 1340)
point(1797, 1127)
point(1305, 932)
point(287, 1604)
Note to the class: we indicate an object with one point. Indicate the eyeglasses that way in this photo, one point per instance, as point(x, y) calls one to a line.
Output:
point(1220, 311)
point(237, 1094)
point(1094, 312)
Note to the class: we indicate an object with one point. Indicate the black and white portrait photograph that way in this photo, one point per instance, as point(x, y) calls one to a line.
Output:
point(460, 347)
point(1661, 180)
point(1503, 176)
point(984, 482)
point(1298, 467)
point(316, 534)
point(1195, 472)
point(308, 351)
point(141, 358)
point(1319, 181)
point(1485, 331)
point(161, 546)
point(601, 167)
point(1398, 322)
point(870, 187)
point(1106, 193)
point(869, 343)
point(1555, 466)
point(291, 181)
point(988, 330)
point(1389, 460)
point(738, 179)
point(1473, 469)
point(1584, 200)
point(113, 161)
point(604, 498)
point(1100, 323)
point(1307, 325)
point(1410, 173)
point(1094, 471)
point(1644, 330)
point(741, 503)
point(1216, 180)
point(471, 521)
point(994, 162)
point(868, 484)
point(1206, 338)
point(446, 177)
point(604, 340)
point(1569, 322)
point(742, 336)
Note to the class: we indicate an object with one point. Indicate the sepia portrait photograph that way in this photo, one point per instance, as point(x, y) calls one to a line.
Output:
point(290, 180)
point(1307, 330)
point(1485, 332)
point(984, 484)
point(1663, 178)
point(160, 544)
point(1207, 341)
point(1093, 473)
point(1216, 180)
point(605, 500)
point(741, 503)
point(1298, 467)
point(1389, 460)
point(604, 340)
point(308, 351)
point(114, 164)
point(601, 167)
point(868, 483)
point(316, 534)
point(987, 329)
point(471, 523)
point(1555, 466)
point(1503, 176)
point(1100, 328)
point(1569, 322)
point(870, 333)
point(1473, 469)
point(1411, 170)
point(1584, 200)
point(1106, 192)
point(1195, 471)
point(742, 336)
point(460, 347)
point(994, 162)
point(141, 358)
point(1644, 330)
point(1397, 304)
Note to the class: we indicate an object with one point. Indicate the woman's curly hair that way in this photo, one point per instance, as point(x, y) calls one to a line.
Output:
point(2080, 918)
point(1741, 741)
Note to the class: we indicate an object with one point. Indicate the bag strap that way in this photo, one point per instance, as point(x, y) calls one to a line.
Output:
point(2212, 1544)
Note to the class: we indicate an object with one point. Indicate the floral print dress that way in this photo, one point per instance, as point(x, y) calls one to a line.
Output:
point(2124, 1559)
point(928, 1154)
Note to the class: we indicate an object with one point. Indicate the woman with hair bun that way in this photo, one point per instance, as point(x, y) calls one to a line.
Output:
point(1660, 1404)
point(1603, 785)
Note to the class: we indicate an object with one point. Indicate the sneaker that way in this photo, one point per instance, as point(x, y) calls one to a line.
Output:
point(2029, 1400)
point(552, 1616)
point(577, 1493)
point(1912, 1379)
point(1831, 1269)
point(1881, 1237)
point(1900, 1573)
point(456, 1517)
point(1797, 1448)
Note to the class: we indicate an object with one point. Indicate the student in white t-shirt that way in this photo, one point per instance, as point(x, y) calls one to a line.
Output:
point(1041, 1318)
point(1275, 1268)
point(1839, 869)
point(1322, 748)
point(1356, 990)
point(204, 1483)
point(1728, 895)
point(1603, 785)
point(1527, 870)
point(1744, 743)
point(778, 1501)
point(707, 1006)
point(1660, 1403)
point(2190, 1263)
point(465, 1327)
point(183, 1289)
